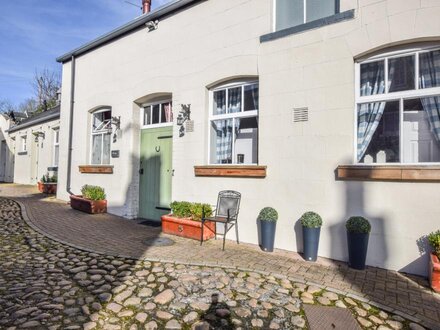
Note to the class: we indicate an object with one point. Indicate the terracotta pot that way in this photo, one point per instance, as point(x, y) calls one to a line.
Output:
point(47, 188)
point(434, 272)
point(187, 227)
point(87, 205)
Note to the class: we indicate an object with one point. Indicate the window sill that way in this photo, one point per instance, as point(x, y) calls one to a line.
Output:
point(96, 169)
point(340, 17)
point(399, 173)
point(242, 171)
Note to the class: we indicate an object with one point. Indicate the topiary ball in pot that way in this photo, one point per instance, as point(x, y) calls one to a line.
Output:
point(434, 265)
point(268, 220)
point(358, 233)
point(311, 223)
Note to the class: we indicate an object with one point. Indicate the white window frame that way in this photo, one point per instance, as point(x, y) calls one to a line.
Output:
point(400, 96)
point(56, 143)
point(274, 14)
point(151, 104)
point(23, 141)
point(241, 114)
point(102, 133)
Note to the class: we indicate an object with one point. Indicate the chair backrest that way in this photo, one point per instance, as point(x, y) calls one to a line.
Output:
point(228, 200)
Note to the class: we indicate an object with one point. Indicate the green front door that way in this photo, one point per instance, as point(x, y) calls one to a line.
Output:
point(156, 172)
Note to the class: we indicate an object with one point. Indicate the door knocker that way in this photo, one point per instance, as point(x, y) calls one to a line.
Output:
point(157, 148)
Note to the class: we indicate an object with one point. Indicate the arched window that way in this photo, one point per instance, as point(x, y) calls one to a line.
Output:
point(233, 123)
point(398, 107)
point(101, 137)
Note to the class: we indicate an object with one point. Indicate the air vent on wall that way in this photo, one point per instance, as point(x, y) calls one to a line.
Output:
point(300, 115)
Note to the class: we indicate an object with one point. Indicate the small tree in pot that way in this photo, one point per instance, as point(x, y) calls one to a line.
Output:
point(311, 223)
point(434, 269)
point(268, 221)
point(358, 233)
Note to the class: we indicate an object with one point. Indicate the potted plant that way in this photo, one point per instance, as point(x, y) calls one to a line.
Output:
point(311, 223)
point(434, 269)
point(48, 184)
point(358, 233)
point(184, 220)
point(268, 221)
point(91, 201)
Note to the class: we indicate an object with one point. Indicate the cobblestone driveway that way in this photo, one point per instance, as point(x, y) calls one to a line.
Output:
point(45, 284)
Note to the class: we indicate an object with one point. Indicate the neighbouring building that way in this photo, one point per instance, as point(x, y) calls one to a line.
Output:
point(331, 106)
point(35, 145)
point(6, 150)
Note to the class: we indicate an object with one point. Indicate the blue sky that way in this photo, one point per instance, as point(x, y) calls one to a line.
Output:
point(34, 32)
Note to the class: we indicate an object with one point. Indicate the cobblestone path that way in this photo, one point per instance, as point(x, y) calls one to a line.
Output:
point(47, 285)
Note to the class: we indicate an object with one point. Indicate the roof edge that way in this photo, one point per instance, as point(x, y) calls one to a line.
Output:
point(137, 22)
point(35, 122)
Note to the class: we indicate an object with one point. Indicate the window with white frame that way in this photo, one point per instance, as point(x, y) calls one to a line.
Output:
point(56, 146)
point(290, 13)
point(23, 143)
point(234, 124)
point(101, 137)
point(157, 114)
point(398, 108)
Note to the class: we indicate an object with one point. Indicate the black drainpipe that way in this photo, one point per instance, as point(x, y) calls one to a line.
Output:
point(72, 103)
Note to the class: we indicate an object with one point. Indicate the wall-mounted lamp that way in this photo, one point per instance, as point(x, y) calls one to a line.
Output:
point(117, 122)
point(182, 117)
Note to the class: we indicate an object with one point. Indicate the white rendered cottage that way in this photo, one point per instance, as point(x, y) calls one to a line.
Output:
point(331, 106)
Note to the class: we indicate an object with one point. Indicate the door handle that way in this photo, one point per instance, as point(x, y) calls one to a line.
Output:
point(141, 171)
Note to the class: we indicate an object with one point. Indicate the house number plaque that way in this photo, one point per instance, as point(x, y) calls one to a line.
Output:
point(115, 153)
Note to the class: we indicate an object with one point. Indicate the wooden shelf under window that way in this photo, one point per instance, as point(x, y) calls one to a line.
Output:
point(252, 171)
point(407, 173)
point(96, 169)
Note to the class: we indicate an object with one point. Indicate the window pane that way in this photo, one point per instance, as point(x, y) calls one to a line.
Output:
point(401, 74)
point(317, 9)
point(221, 142)
point(166, 113)
point(56, 155)
point(421, 130)
point(219, 102)
point(246, 141)
point(155, 114)
point(251, 97)
point(96, 149)
point(429, 69)
point(378, 132)
point(147, 115)
point(373, 78)
point(289, 13)
point(57, 136)
point(106, 149)
point(234, 99)
point(101, 120)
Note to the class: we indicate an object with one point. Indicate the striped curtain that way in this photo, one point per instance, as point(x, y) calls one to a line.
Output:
point(430, 77)
point(224, 141)
point(168, 112)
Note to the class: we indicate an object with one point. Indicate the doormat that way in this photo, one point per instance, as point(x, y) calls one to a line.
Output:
point(158, 241)
point(150, 223)
point(330, 318)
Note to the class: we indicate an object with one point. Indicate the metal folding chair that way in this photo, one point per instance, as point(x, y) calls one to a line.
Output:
point(226, 212)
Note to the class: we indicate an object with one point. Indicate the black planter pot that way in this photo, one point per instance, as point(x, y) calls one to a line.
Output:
point(311, 243)
point(357, 249)
point(267, 235)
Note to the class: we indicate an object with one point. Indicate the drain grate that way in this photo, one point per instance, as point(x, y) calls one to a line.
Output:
point(331, 318)
point(158, 241)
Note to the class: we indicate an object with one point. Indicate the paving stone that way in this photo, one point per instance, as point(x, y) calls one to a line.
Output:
point(164, 315)
point(164, 297)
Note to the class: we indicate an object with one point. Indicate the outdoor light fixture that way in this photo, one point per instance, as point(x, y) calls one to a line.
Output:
point(117, 122)
point(182, 117)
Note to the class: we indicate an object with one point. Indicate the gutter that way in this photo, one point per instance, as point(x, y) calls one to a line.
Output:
point(136, 23)
point(72, 106)
point(32, 123)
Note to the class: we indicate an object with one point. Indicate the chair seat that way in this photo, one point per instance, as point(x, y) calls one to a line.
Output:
point(218, 219)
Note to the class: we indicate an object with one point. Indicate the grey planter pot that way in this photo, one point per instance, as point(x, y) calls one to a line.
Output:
point(357, 250)
point(267, 235)
point(311, 243)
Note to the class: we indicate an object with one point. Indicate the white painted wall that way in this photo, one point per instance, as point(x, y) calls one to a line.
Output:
point(31, 165)
point(216, 40)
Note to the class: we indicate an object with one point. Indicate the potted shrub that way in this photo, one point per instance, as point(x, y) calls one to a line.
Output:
point(48, 184)
point(358, 233)
point(311, 223)
point(184, 220)
point(91, 201)
point(434, 269)
point(268, 221)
